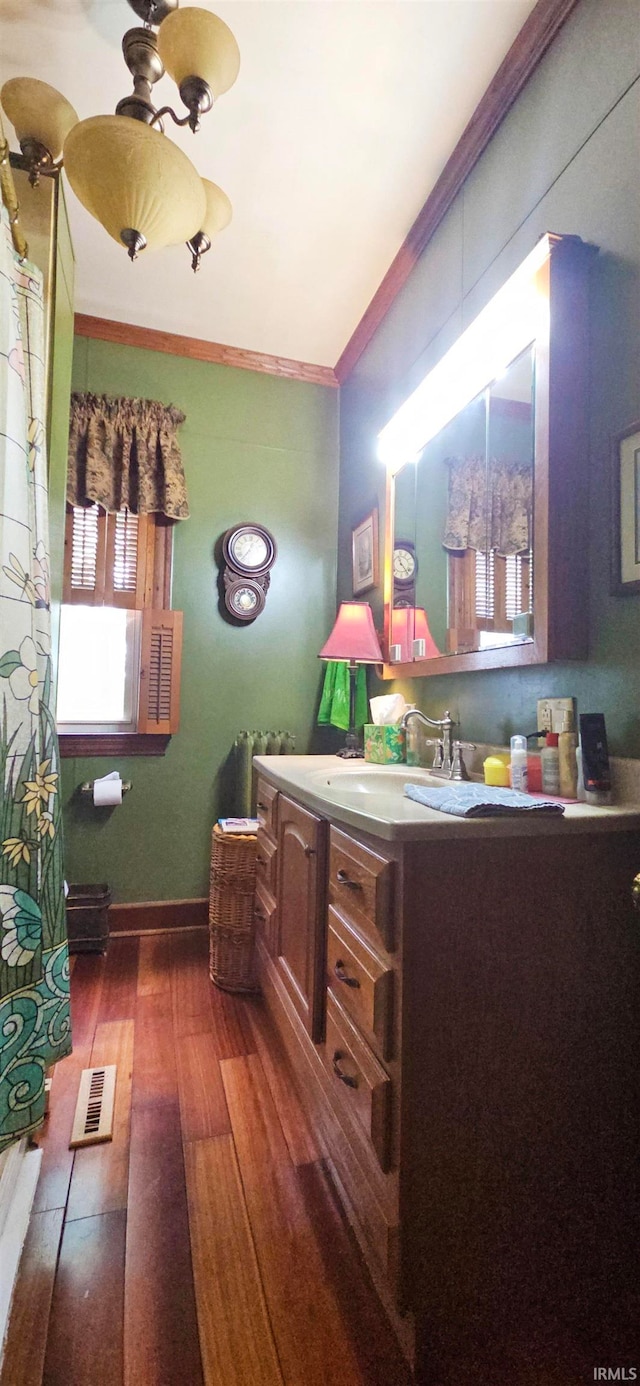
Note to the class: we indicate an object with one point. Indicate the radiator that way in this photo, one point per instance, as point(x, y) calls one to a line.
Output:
point(255, 743)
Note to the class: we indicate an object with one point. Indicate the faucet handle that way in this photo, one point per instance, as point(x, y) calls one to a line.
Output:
point(458, 767)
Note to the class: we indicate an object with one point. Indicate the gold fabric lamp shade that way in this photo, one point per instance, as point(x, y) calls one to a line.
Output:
point(135, 181)
point(38, 113)
point(196, 43)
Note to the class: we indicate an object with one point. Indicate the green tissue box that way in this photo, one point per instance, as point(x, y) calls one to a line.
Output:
point(384, 745)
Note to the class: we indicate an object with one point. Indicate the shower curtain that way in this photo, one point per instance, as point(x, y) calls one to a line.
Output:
point(34, 963)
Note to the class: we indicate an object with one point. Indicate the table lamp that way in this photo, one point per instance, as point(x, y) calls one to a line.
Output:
point(410, 635)
point(354, 641)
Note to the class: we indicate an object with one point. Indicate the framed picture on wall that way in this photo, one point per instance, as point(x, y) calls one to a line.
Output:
point(364, 554)
point(626, 510)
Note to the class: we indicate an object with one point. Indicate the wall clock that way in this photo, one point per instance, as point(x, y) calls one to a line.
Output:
point(405, 568)
point(248, 552)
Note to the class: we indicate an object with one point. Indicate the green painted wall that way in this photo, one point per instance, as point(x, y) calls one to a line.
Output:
point(255, 447)
point(565, 159)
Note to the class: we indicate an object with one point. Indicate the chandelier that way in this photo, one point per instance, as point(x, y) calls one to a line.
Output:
point(139, 185)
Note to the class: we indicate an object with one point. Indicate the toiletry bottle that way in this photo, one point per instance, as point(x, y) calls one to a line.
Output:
point(519, 772)
point(567, 744)
point(595, 758)
point(550, 758)
point(580, 790)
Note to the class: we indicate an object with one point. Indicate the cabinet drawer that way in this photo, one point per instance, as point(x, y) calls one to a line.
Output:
point(264, 913)
point(362, 1081)
point(267, 807)
point(361, 980)
point(266, 861)
point(361, 886)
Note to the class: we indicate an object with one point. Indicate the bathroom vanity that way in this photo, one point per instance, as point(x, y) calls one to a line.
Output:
point(460, 1003)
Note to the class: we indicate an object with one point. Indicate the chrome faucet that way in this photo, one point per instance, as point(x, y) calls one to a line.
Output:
point(447, 760)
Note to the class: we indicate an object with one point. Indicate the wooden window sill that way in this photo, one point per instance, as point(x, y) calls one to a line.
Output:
point(113, 744)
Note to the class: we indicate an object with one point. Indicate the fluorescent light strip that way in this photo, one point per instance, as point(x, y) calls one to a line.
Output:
point(515, 317)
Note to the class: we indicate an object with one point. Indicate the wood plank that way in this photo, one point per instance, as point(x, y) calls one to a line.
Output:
point(530, 45)
point(101, 1172)
point(191, 986)
point(120, 978)
point(374, 1342)
point(160, 1325)
point(155, 1080)
point(235, 1335)
point(203, 1107)
point(197, 349)
point(301, 1143)
point(311, 1336)
point(231, 1024)
point(155, 960)
point(86, 994)
point(86, 1326)
point(27, 1336)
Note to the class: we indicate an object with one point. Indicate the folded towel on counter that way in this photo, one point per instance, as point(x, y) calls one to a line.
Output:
point(479, 800)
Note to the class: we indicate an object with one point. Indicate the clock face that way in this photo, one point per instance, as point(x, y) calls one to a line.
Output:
point(244, 599)
point(249, 549)
point(404, 564)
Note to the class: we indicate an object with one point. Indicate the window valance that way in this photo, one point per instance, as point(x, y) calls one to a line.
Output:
point(124, 454)
point(489, 508)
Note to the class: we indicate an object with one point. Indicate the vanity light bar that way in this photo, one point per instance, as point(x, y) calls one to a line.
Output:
point(516, 316)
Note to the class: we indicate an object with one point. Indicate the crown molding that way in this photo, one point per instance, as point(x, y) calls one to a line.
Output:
point(529, 47)
point(197, 349)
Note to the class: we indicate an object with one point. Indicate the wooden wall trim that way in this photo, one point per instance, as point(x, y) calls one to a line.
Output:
point(529, 47)
point(197, 349)
point(142, 916)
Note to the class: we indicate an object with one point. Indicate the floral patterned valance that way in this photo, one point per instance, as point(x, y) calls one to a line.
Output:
point(124, 453)
point(489, 507)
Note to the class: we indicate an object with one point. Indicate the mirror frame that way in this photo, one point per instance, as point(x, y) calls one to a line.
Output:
point(561, 483)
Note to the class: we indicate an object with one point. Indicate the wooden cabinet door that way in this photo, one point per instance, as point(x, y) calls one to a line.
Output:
point(301, 910)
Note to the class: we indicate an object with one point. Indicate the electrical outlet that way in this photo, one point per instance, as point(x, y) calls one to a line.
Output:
point(551, 713)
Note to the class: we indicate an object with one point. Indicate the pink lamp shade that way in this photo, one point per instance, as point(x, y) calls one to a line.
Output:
point(353, 637)
point(409, 623)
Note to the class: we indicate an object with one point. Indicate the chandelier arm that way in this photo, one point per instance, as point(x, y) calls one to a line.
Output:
point(167, 110)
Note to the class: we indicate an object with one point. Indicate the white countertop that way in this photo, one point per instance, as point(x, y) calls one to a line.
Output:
point(369, 798)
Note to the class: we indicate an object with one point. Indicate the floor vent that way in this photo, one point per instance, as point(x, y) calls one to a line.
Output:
point(93, 1120)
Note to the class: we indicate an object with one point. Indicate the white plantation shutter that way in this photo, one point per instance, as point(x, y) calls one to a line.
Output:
point(125, 551)
point(485, 585)
point(84, 554)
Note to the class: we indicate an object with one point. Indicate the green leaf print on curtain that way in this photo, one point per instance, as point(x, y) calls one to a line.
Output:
point(34, 962)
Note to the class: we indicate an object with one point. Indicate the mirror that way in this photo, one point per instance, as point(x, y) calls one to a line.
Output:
point(472, 540)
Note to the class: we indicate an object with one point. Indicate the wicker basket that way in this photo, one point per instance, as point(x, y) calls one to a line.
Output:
point(231, 921)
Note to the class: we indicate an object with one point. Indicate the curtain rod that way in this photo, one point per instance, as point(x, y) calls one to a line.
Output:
point(8, 191)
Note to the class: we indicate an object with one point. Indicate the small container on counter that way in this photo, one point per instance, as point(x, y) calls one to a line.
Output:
point(496, 771)
point(550, 759)
point(519, 769)
point(567, 745)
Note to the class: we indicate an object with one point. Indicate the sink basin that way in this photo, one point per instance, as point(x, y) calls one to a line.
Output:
point(375, 789)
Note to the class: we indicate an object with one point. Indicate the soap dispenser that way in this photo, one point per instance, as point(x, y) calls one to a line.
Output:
point(550, 758)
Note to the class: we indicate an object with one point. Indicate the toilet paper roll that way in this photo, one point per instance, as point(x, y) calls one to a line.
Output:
point(107, 790)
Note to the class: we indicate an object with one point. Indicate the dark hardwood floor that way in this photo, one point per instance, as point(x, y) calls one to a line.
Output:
point(204, 1245)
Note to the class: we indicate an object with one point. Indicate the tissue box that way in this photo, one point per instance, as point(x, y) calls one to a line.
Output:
point(384, 745)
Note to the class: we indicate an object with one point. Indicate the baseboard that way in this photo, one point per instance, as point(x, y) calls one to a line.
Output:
point(19, 1170)
point(149, 916)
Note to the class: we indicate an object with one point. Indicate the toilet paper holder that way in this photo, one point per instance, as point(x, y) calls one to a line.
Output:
point(87, 787)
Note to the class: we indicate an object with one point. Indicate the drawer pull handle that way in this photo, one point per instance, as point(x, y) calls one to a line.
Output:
point(259, 915)
point(345, 880)
point(341, 974)
point(261, 806)
point(260, 861)
point(344, 1077)
point(309, 851)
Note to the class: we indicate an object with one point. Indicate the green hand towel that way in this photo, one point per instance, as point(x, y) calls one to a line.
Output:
point(334, 703)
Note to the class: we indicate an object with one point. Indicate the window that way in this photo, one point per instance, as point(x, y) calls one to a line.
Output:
point(120, 644)
point(487, 591)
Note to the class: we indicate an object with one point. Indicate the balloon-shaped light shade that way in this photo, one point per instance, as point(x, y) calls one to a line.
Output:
point(196, 43)
point(218, 211)
point(38, 113)
point(134, 180)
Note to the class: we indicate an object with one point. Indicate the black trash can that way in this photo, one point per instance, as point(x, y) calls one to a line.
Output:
point(88, 918)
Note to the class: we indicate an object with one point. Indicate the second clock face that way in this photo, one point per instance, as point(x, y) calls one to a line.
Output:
point(244, 599)
point(404, 564)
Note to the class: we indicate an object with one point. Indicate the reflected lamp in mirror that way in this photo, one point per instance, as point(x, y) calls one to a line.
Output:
point(410, 635)
point(352, 641)
point(486, 480)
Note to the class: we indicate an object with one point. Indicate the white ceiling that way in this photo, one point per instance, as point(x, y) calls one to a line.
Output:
point(343, 116)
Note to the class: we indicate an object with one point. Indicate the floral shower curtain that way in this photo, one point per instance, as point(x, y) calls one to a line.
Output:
point(34, 963)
